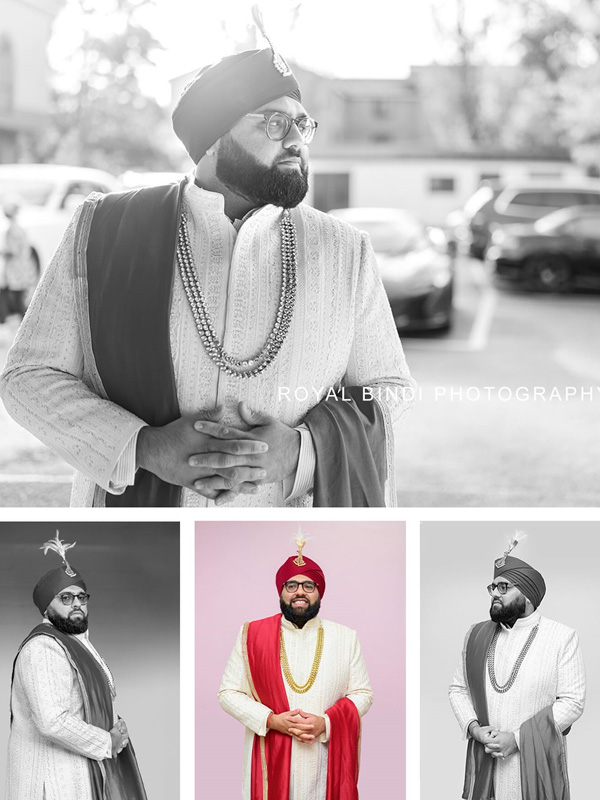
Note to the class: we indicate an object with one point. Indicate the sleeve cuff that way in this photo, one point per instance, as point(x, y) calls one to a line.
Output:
point(305, 471)
point(517, 735)
point(123, 474)
point(325, 736)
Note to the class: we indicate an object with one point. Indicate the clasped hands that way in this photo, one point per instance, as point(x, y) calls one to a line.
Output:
point(219, 461)
point(298, 724)
point(119, 737)
point(497, 744)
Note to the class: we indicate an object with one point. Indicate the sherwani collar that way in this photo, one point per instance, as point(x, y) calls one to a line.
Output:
point(523, 623)
point(310, 625)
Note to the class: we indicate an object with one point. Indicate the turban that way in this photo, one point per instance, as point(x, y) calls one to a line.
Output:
point(311, 569)
point(222, 93)
point(524, 577)
point(54, 582)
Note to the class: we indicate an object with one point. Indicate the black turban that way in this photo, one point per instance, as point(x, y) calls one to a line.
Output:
point(222, 93)
point(54, 582)
point(524, 577)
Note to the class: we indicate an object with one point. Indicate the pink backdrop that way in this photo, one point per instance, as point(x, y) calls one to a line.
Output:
point(363, 563)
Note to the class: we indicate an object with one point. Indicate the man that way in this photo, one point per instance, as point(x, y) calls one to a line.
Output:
point(299, 685)
point(15, 262)
point(517, 690)
point(220, 299)
point(66, 741)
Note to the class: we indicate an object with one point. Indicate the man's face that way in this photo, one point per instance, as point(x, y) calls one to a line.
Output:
point(299, 606)
point(69, 618)
point(260, 170)
point(509, 607)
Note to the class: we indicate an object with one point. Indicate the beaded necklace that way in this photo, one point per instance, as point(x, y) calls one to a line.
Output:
point(285, 666)
point(242, 368)
point(501, 689)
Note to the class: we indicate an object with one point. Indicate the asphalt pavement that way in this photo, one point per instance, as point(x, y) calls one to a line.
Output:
point(507, 412)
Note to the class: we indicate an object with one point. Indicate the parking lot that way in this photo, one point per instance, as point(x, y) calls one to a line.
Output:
point(508, 409)
point(507, 413)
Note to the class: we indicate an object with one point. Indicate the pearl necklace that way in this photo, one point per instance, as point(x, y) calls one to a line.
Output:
point(501, 689)
point(242, 368)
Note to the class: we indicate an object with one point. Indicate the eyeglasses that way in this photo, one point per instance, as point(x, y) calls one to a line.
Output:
point(67, 598)
point(278, 125)
point(502, 587)
point(292, 586)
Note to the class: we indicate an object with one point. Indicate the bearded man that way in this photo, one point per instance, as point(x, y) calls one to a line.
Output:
point(518, 689)
point(217, 340)
point(299, 685)
point(66, 741)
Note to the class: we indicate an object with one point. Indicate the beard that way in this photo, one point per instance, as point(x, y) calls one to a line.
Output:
point(508, 614)
point(67, 625)
point(300, 616)
point(244, 175)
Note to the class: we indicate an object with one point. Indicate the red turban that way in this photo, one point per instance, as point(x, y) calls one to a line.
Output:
point(222, 93)
point(311, 569)
point(527, 579)
point(54, 582)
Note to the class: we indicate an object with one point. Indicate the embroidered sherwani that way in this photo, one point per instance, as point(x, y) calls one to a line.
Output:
point(342, 333)
point(551, 674)
point(342, 673)
point(50, 744)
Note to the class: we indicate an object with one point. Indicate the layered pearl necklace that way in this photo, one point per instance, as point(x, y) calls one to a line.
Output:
point(242, 368)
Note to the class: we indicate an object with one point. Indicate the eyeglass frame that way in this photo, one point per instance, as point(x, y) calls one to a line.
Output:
point(266, 115)
point(493, 586)
point(300, 583)
point(73, 596)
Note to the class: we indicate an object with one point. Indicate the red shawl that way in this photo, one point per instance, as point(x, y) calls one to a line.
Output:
point(271, 754)
point(541, 745)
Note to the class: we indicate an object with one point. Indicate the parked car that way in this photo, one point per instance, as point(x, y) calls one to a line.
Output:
point(416, 267)
point(552, 254)
point(49, 194)
point(493, 205)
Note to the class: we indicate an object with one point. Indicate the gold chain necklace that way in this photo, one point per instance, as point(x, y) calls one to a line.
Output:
point(285, 666)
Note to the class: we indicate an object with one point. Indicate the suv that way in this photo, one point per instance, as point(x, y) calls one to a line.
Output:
point(493, 205)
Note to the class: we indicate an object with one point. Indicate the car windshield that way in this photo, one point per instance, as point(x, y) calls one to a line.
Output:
point(32, 191)
point(397, 236)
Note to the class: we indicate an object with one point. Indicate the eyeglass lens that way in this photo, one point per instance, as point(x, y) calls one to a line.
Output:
point(279, 125)
point(308, 586)
point(67, 598)
point(501, 586)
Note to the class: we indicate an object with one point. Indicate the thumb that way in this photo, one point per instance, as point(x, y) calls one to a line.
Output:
point(211, 414)
point(251, 417)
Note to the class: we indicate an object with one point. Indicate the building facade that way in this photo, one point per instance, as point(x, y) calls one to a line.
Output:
point(25, 95)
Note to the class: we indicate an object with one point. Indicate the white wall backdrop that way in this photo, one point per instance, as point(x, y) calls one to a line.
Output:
point(457, 561)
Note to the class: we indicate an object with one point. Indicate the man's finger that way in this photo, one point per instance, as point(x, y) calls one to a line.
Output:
point(220, 431)
point(221, 461)
point(236, 447)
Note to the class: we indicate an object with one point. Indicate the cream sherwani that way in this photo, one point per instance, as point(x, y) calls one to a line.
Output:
point(342, 333)
point(50, 744)
point(552, 673)
point(342, 673)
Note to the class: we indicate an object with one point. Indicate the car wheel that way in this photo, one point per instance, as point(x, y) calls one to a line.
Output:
point(547, 272)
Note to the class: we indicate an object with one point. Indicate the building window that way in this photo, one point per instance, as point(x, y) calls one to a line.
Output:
point(544, 176)
point(441, 184)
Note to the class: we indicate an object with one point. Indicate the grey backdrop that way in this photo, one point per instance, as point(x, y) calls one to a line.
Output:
point(132, 573)
point(456, 566)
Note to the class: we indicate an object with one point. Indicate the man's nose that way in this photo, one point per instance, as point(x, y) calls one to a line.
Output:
point(293, 139)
